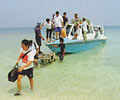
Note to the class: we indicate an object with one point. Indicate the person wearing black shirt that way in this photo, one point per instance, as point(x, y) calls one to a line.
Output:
point(38, 35)
point(62, 49)
point(65, 19)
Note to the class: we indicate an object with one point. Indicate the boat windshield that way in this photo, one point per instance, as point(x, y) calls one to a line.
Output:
point(98, 29)
point(90, 29)
point(68, 29)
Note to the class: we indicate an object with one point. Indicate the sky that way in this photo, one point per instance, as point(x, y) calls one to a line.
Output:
point(26, 13)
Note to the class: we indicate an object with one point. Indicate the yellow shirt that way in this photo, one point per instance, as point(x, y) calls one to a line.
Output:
point(63, 33)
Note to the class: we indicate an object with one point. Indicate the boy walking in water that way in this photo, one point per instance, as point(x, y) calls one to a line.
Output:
point(26, 65)
point(62, 49)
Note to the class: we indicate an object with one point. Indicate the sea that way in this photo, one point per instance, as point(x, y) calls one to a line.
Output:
point(89, 75)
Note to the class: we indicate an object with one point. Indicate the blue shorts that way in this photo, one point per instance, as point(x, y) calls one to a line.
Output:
point(58, 29)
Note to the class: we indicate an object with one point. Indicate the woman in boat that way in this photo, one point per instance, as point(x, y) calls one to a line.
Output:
point(48, 25)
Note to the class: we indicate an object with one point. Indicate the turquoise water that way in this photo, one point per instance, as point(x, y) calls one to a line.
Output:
point(89, 75)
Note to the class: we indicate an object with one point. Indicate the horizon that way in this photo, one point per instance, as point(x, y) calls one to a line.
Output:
point(20, 13)
point(44, 27)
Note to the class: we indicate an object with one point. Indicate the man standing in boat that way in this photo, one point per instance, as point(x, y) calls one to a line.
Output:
point(65, 19)
point(76, 22)
point(58, 24)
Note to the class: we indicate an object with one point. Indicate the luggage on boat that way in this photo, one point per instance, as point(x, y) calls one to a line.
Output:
point(13, 74)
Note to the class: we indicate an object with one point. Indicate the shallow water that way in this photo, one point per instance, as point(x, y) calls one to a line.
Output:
point(89, 75)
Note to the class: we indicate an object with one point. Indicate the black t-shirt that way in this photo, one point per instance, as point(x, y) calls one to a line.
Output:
point(62, 47)
point(37, 31)
point(65, 19)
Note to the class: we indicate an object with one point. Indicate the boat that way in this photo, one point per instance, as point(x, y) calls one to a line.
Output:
point(95, 37)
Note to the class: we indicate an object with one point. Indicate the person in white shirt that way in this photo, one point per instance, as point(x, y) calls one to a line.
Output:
point(35, 48)
point(26, 65)
point(49, 29)
point(58, 24)
point(84, 26)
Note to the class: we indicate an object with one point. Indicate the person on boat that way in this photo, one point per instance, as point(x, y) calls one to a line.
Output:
point(53, 26)
point(76, 22)
point(34, 47)
point(38, 35)
point(26, 66)
point(58, 24)
point(63, 33)
point(84, 28)
point(49, 25)
point(65, 19)
point(62, 49)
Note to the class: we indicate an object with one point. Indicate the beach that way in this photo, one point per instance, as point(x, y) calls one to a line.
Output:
point(90, 75)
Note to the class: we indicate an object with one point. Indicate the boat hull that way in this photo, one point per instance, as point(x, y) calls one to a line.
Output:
point(78, 46)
